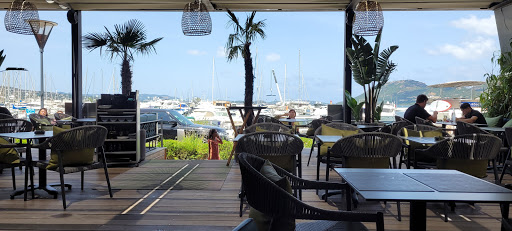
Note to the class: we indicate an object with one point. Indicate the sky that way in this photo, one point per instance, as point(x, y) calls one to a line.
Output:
point(434, 47)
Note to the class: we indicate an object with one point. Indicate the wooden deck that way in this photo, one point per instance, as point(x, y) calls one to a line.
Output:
point(187, 205)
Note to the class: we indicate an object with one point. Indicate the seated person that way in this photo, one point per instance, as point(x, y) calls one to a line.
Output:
point(44, 112)
point(418, 109)
point(470, 115)
point(4, 110)
point(290, 115)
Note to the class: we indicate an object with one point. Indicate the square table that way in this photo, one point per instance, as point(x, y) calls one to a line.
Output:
point(42, 156)
point(419, 186)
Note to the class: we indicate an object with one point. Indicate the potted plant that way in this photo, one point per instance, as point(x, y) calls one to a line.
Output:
point(371, 70)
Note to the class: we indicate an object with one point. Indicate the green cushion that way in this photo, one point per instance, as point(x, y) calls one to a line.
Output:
point(508, 124)
point(409, 132)
point(263, 221)
point(366, 162)
point(494, 121)
point(72, 157)
point(433, 133)
point(259, 129)
point(476, 168)
point(328, 131)
point(310, 132)
point(8, 155)
point(284, 161)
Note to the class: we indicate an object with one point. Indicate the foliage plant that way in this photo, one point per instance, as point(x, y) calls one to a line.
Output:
point(239, 43)
point(125, 41)
point(378, 111)
point(356, 107)
point(308, 142)
point(2, 57)
point(370, 69)
point(497, 98)
point(194, 148)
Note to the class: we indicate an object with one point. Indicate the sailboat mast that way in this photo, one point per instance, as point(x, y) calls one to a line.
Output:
point(300, 83)
point(213, 75)
point(284, 100)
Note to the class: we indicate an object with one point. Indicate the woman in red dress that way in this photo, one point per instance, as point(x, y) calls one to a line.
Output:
point(213, 145)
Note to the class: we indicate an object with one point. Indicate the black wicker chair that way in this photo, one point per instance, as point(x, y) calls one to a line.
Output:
point(280, 148)
point(15, 125)
point(271, 127)
point(267, 119)
point(61, 116)
point(40, 122)
point(407, 156)
point(15, 160)
point(314, 125)
point(71, 141)
point(423, 121)
point(508, 161)
point(366, 150)
point(5, 116)
point(464, 128)
point(399, 118)
point(270, 199)
point(322, 158)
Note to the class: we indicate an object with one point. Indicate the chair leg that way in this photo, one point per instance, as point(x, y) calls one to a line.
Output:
point(399, 211)
point(27, 170)
point(106, 172)
point(13, 178)
point(495, 170)
point(445, 212)
point(241, 196)
point(32, 190)
point(311, 151)
point(505, 165)
point(82, 180)
point(62, 187)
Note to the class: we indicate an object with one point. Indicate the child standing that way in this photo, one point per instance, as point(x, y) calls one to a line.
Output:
point(213, 145)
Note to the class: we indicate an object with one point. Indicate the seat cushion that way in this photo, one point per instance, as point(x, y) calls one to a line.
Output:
point(72, 157)
point(494, 121)
point(8, 155)
point(263, 221)
point(328, 131)
point(476, 168)
point(508, 124)
point(433, 133)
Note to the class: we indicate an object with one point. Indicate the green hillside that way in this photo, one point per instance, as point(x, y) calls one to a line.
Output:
point(404, 92)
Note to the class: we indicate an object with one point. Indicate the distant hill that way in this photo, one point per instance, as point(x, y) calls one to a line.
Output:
point(404, 92)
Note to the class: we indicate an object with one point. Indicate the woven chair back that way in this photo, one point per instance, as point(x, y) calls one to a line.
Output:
point(420, 127)
point(469, 146)
point(5, 116)
point(92, 136)
point(369, 144)
point(340, 126)
point(399, 118)
point(464, 128)
point(267, 119)
point(397, 126)
point(316, 123)
point(61, 116)
point(423, 121)
point(15, 125)
point(37, 120)
point(271, 127)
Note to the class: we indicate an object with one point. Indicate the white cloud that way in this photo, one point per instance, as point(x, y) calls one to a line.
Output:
point(485, 26)
point(468, 50)
point(221, 52)
point(196, 52)
point(273, 57)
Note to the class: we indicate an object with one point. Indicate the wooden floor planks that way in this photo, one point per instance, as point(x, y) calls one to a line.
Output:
point(201, 209)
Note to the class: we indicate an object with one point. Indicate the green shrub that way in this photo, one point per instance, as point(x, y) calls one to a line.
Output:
point(194, 148)
point(307, 142)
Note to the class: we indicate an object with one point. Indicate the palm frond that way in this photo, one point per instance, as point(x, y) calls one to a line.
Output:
point(148, 47)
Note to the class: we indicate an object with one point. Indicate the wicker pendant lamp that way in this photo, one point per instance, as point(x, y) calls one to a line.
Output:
point(16, 17)
point(368, 19)
point(196, 20)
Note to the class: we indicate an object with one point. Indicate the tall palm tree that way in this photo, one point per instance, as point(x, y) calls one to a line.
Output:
point(127, 39)
point(239, 42)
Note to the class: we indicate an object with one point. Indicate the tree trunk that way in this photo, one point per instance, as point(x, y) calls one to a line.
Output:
point(249, 81)
point(126, 77)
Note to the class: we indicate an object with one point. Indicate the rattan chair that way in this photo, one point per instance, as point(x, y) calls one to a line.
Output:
point(280, 148)
point(399, 118)
point(407, 156)
point(341, 126)
point(464, 128)
point(84, 137)
point(61, 116)
point(19, 162)
point(5, 116)
point(423, 121)
point(366, 150)
point(508, 161)
point(270, 199)
point(397, 126)
point(314, 125)
point(40, 122)
point(15, 125)
point(267, 119)
point(271, 127)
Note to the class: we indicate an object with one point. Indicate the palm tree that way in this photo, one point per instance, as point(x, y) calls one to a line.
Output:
point(239, 42)
point(127, 40)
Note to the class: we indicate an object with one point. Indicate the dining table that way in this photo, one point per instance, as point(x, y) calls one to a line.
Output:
point(421, 186)
point(29, 137)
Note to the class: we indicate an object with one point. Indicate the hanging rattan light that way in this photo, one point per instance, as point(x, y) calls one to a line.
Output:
point(17, 16)
point(196, 20)
point(368, 19)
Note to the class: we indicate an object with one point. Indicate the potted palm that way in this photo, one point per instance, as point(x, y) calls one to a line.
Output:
point(371, 70)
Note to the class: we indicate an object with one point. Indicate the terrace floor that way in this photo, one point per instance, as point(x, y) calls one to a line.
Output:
point(202, 196)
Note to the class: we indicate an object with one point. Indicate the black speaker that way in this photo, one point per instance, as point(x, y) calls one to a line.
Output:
point(335, 111)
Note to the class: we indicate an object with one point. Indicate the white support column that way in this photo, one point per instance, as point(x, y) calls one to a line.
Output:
point(503, 15)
